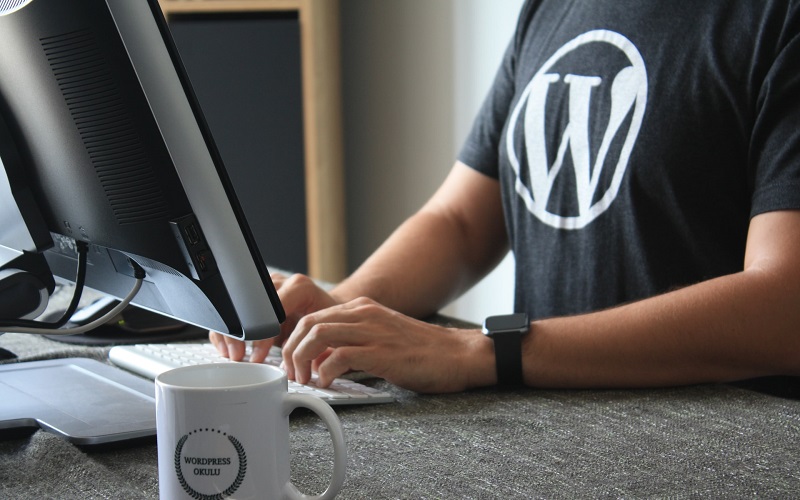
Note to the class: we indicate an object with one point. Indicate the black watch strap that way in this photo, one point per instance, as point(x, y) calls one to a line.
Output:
point(508, 356)
point(506, 332)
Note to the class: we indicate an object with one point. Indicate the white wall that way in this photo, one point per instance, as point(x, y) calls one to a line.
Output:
point(415, 73)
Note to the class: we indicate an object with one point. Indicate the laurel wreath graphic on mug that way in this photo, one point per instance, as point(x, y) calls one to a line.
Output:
point(204, 471)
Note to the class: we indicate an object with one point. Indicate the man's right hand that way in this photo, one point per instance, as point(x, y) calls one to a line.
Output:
point(299, 296)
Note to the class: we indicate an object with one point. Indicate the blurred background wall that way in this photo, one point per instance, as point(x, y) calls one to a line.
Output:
point(415, 73)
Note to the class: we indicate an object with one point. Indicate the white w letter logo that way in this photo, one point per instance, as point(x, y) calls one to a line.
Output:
point(628, 91)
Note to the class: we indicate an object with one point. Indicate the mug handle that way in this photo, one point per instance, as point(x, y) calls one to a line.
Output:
point(328, 416)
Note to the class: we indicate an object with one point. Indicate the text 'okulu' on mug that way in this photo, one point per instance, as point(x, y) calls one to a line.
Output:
point(223, 432)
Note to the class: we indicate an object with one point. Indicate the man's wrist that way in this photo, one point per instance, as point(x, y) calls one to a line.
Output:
point(483, 372)
point(477, 362)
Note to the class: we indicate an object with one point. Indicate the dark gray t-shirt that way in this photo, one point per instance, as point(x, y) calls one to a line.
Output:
point(634, 140)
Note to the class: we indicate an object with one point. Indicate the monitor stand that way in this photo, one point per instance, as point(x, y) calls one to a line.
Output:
point(133, 326)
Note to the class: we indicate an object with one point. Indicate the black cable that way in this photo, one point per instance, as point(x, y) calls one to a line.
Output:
point(107, 317)
point(80, 279)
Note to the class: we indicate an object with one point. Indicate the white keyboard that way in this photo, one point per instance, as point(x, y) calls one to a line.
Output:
point(149, 360)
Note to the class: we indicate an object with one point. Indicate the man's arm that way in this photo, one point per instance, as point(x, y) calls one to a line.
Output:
point(438, 253)
point(446, 247)
point(733, 327)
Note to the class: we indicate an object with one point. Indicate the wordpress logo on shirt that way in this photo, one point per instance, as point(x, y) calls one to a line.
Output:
point(571, 134)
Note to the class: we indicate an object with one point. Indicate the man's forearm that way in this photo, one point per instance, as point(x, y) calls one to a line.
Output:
point(734, 327)
point(418, 270)
point(446, 247)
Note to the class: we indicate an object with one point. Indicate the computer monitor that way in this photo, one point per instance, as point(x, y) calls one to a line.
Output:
point(102, 141)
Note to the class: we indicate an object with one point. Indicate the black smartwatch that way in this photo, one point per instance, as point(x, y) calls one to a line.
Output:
point(507, 331)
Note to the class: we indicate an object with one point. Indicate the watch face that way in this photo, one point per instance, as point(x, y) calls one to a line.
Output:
point(507, 322)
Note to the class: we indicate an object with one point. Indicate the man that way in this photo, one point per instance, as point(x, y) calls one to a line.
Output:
point(642, 161)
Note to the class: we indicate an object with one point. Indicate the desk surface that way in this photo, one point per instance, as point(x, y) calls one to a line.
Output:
point(706, 441)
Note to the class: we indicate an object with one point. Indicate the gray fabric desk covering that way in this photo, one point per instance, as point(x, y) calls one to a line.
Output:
point(710, 441)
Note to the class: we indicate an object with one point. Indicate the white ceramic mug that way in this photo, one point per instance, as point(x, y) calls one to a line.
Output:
point(223, 432)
